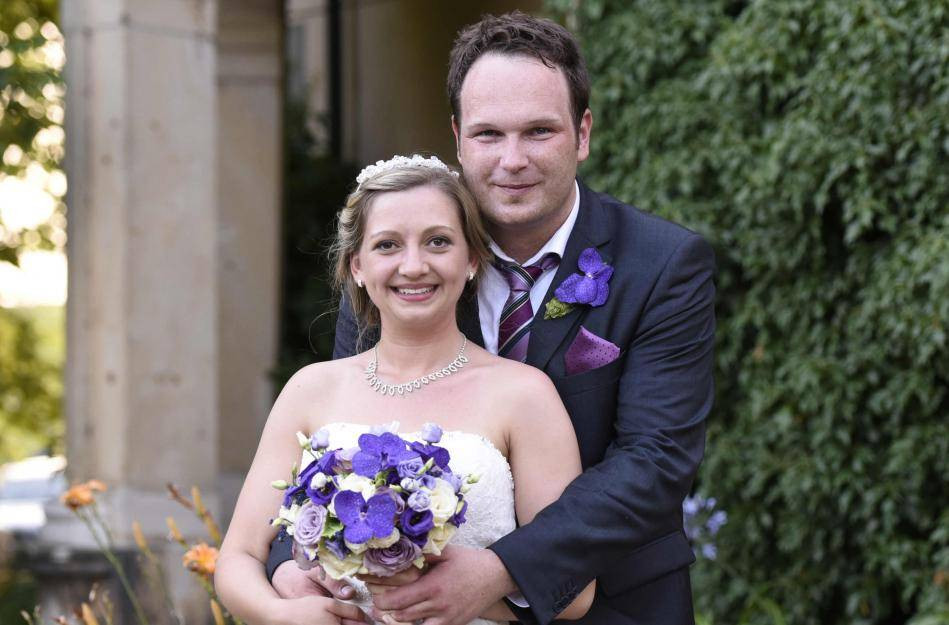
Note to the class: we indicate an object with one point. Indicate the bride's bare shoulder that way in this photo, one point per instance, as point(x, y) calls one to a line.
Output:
point(510, 377)
point(317, 380)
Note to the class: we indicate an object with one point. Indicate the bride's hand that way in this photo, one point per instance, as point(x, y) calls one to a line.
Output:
point(315, 610)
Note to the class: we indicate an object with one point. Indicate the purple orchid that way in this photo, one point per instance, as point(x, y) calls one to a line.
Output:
point(365, 519)
point(592, 286)
point(377, 453)
point(426, 451)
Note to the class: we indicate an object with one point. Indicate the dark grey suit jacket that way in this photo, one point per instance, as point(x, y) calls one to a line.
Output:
point(640, 422)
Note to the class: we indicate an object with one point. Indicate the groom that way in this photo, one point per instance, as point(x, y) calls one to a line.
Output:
point(634, 371)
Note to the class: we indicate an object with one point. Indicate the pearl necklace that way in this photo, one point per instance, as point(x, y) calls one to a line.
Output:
point(412, 385)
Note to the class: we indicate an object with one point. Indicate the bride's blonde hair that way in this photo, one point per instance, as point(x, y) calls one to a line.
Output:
point(351, 223)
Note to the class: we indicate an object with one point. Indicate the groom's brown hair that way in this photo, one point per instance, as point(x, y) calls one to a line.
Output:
point(518, 33)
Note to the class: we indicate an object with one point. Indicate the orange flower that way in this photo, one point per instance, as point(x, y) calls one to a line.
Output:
point(81, 495)
point(201, 559)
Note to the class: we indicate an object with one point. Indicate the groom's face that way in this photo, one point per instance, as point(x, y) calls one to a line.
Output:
point(518, 144)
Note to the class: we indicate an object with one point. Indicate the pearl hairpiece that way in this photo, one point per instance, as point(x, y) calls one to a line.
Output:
point(398, 162)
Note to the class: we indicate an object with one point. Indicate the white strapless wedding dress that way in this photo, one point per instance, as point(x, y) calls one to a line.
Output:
point(490, 513)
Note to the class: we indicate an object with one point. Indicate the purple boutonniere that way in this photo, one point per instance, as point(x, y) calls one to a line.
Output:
point(591, 287)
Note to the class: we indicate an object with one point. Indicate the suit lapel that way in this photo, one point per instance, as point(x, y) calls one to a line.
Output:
point(590, 230)
point(469, 321)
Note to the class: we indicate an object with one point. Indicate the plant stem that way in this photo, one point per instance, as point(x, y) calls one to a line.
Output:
point(116, 564)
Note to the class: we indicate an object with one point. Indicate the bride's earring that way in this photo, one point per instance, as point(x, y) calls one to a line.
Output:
point(359, 283)
point(471, 276)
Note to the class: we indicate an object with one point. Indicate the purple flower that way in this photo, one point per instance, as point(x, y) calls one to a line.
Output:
point(392, 559)
point(459, 517)
point(336, 544)
point(456, 481)
point(309, 524)
point(377, 453)
point(419, 501)
point(592, 286)
point(321, 439)
point(416, 525)
point(411, 467)
point(300, 557)
point(709, 551)
point(365, 519)
point(431, 433)
point(716, 521)
point(440, 454)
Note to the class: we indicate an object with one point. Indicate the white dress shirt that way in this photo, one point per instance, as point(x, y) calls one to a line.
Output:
point(494, 290)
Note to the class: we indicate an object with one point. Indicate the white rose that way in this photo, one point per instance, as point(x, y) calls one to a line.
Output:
point(443, 501)
point(438, 537)
point(336, 568)
point(382, 543)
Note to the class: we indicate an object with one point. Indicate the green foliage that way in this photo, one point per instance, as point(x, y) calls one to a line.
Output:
point(315, 188)
point(807, 140)
point(31, 387)
point(31, 111)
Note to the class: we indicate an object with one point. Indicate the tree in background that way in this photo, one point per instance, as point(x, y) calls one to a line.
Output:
point(32, 217)
point(31, 133)
point(808, 141)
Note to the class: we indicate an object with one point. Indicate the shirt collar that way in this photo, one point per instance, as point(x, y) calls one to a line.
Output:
point(557, 243)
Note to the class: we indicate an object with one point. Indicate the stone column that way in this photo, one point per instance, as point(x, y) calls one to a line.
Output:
point(143, 358)
point(250, 112)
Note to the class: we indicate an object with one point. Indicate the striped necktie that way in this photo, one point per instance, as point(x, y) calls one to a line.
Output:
point(517, 314)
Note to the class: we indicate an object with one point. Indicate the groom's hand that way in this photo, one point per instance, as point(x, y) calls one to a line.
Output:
point(462, 584)
point(292, 582)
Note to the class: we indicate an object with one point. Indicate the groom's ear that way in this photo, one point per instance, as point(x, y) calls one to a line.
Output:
point(455, 131)
point(583, 136)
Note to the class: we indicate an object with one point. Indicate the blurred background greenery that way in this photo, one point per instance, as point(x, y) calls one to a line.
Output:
point(807, 140)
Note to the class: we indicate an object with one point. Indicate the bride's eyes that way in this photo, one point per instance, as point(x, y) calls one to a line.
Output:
point(439, 242)
point(385, 245)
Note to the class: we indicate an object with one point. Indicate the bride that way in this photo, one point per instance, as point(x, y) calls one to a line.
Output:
point(409, 245)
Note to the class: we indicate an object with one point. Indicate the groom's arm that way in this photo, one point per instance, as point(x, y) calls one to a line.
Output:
point(347, 336)
point(634, 495)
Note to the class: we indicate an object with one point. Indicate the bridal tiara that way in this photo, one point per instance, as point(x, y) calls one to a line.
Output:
point(398, 162)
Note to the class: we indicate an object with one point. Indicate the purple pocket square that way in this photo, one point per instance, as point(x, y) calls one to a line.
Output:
point(588, 351)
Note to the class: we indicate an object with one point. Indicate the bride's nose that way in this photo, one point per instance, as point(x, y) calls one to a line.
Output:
point(413, 264)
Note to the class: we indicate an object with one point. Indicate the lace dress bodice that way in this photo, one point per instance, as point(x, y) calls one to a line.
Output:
point(490, 513)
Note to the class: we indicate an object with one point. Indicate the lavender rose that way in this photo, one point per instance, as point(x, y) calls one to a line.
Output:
point(309, 524)
point(321, 439)
point(419, 501)
point(393, 559)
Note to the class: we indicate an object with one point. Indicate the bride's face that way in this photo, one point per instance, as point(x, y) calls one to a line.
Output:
point(413, 260)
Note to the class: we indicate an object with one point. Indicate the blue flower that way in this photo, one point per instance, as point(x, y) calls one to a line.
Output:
point(321, 439)
point(419, 501)
point(410, 468)
point(416, 525)
point(377, 453)
point(459, 517)
point(427, 452)
point(365, 519)
point(590, 287)
point(716, 521)
point(431, 433)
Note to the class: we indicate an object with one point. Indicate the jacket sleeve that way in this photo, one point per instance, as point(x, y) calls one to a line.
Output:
point(347, 331)
point(633, 496)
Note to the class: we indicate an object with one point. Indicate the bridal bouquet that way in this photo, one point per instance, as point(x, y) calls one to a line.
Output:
point(376, 508)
